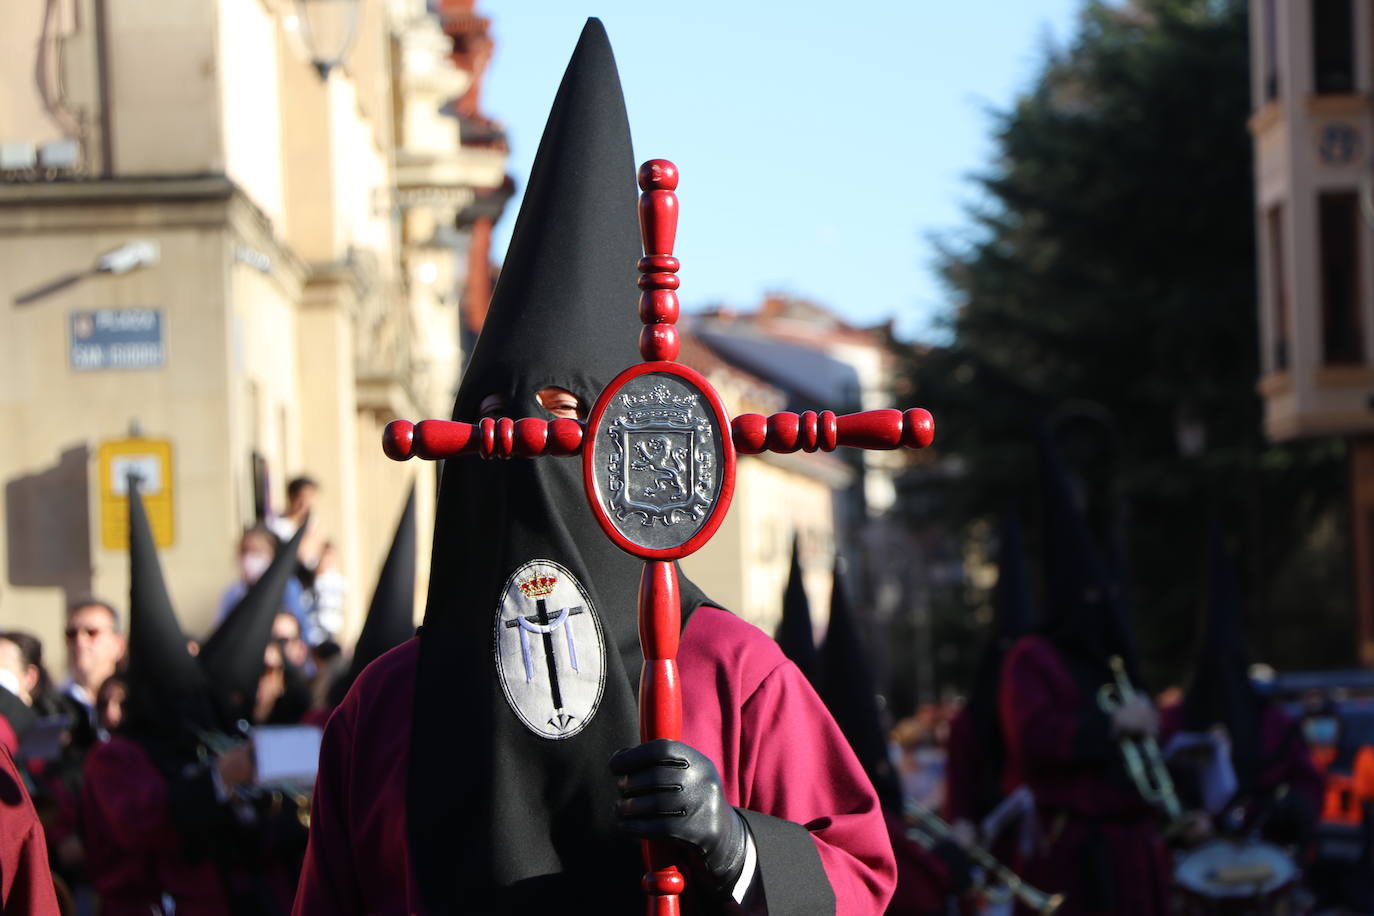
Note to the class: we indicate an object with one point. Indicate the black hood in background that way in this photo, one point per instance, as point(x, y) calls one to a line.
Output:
point(795, 636)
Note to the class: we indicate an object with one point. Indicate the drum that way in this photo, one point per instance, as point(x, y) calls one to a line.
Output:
point(1234, 877)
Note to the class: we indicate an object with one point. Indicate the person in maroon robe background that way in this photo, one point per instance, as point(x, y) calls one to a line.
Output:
point(492, 764)
point(1098, 841)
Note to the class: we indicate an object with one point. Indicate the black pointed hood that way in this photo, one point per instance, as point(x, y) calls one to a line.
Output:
point(1083, 611)
point(1220, 692)
point(1013, 617)
point(509, 803)
point(847, 688)
point(232, 657)
point(563, 312)
point(391, 615)
point(795, 636)
point(168, 692)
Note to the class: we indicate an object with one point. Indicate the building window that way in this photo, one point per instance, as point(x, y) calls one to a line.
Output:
point(1278, 288)
point(1338, 217)
point(1333, 45)
point(1271, 50)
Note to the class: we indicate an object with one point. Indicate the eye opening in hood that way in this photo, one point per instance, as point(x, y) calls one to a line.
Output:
point(560, 402)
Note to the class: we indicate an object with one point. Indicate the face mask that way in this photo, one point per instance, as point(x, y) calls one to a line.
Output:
point(10, 681)
point(1320, 731)
point(253, 565)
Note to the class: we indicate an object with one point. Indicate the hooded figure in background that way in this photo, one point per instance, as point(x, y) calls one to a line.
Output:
point(391, 615)
point(236, 654)
point(926, 878)
point(155, 811)
point(1099, 843)
point(471, 769)
point(977, 753)
point(795, 636)
point(1275, 784)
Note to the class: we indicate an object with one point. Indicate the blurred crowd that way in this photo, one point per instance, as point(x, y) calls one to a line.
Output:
point(271, 659)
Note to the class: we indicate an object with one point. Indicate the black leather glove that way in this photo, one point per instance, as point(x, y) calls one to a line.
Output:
point(671, 791)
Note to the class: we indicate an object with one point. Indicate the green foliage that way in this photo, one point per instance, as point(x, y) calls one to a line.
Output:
point(1111, 261)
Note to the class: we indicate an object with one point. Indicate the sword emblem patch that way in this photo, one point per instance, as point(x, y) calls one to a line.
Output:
point(550, 651)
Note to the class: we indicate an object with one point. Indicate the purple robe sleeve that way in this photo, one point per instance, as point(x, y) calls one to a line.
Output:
point(25, 881)
point(328, 881)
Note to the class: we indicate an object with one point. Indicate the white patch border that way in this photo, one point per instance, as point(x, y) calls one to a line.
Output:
point(523, 570)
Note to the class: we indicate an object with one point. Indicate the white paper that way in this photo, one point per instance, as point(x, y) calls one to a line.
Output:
point(287, 753)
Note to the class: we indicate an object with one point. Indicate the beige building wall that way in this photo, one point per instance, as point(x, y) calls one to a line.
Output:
point(304, 302)
point(59, 408)
point(165, 90)
point(1306, 144)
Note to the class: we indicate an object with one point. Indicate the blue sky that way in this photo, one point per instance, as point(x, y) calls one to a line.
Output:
point(820, 144)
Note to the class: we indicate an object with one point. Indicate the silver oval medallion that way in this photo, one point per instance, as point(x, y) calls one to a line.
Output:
point(550, 652)
point(660, 457)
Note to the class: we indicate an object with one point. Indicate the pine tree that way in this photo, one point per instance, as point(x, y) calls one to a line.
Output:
point(1111, 263)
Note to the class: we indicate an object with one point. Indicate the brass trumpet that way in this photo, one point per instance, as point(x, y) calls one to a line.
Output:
point(1143, 760)
point(928, 829)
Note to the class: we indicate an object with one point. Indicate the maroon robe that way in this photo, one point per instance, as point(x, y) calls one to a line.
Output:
point(25, 882)
point(134, 853)
point(1098, 841)
point(745, 707)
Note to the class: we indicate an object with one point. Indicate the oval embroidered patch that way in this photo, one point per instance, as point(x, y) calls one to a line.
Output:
point(550, 652)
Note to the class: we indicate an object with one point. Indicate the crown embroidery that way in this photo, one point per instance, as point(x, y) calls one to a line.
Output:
point(538, 587)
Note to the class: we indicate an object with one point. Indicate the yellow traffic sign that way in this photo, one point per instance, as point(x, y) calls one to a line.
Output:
point(151, 461)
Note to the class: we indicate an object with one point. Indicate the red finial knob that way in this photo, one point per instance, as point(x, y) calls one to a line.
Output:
point(658, 305)
point(658, 175)
point(398, 440)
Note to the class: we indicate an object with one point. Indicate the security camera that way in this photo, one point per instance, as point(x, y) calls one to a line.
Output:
point(129, 256)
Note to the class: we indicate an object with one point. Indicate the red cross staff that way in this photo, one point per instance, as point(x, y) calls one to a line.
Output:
point(658, 462)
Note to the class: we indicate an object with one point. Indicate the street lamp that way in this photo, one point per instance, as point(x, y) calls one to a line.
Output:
point(327, 29)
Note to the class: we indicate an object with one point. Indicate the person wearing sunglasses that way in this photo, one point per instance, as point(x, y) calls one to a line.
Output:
point(95, 647)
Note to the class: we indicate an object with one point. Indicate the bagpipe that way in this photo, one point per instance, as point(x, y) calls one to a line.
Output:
point(996, 881)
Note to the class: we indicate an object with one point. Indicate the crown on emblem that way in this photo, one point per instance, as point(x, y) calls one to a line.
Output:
point(538, 587)
point(659, 405)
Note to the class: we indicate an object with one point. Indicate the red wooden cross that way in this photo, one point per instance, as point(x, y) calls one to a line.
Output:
point(658, 468)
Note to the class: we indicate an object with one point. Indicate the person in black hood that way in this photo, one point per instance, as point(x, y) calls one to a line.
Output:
point(1274, 785)
point(976, 760)
point(160, 811)
point(485, 766)
point(928, 880)
point(794, 635)
point(1100, 844)
point(390, 616)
